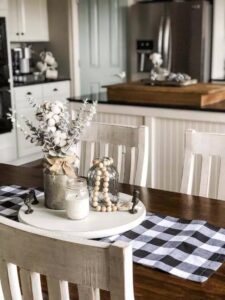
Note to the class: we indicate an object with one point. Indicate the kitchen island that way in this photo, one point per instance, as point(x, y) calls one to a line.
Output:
point(167, 124)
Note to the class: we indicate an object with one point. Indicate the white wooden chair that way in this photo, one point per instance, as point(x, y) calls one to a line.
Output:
point(128, 145)
point(204, 164)
point(90, 264)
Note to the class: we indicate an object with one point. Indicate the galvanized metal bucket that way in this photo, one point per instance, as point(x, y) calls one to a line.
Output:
point(55, 189)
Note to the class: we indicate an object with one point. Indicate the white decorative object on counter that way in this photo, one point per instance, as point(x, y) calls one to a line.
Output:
point(48, 58)
point(162, 76)
point(41, 66)
point(51, 74)
point(77, 199)
point(94, 226)
point(48, 65)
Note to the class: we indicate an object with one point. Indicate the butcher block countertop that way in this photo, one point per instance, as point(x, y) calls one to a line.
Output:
point(197, 95)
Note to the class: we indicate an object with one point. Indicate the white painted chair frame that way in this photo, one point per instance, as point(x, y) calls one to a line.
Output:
point(128, 145)
point(90, 264)
point(209, 146)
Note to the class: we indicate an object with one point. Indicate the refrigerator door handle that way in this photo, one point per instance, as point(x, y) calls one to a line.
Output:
point(170, 47)
point(160, 36)
point(167, 44)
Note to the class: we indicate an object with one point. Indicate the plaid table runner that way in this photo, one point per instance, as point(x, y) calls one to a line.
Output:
point(192, 250)
point(11, 199)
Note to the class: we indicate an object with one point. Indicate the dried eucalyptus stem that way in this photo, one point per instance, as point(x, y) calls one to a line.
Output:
point(53, 129)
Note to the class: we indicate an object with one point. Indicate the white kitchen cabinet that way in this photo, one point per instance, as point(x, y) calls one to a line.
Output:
point(21, 94)
point(8, 147)
point(13, 27)
point(56, 91)
point(26, 148)
point(23, 108)
point(40, 93)
point(28, 20)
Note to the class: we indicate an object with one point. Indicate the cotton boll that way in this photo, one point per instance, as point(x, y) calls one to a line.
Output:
point(56, 109)
point(62, 143)
point(59, 103)
point(63, 135)
point(49, 115)
point(57, 141)
point(46, 105)
point(52, 129)
point(56, 118)
point(51, 122)
point(58, 133)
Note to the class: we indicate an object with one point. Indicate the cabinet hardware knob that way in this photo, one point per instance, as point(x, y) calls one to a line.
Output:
point(22, 33)
point(55, 90)
point(29, 93)
point(17, 33)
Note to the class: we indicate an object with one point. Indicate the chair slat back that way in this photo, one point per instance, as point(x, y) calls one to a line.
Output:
point(90, 264)
point(26, 284)
point(211, 149)
point(128, 145)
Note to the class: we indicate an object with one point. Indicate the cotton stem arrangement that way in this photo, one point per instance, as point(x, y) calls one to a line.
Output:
point(55, 132)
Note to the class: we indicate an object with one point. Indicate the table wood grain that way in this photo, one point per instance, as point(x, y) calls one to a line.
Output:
point(151, 284)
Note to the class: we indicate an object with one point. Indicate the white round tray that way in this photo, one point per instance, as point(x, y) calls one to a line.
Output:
point(96, 225)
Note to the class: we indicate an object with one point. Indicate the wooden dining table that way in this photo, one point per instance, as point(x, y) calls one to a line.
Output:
point(152, 284)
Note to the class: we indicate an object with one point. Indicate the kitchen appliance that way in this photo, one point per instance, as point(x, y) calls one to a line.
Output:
point(179, 30)
point(4, 68)
point(5, 95)
point(16, 56)
point(25, 60)
point(21, 58)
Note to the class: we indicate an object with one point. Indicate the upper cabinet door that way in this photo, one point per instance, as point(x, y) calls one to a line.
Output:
point(28, 20)
point(13, 27)
point(34, 20)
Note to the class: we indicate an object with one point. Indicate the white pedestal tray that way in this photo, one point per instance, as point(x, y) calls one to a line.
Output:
point(96, 225)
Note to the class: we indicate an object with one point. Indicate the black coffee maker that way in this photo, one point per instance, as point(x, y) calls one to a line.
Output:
point(21, 59)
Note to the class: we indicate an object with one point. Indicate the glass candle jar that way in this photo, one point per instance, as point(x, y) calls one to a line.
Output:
point(103, 185)
point(77, 199)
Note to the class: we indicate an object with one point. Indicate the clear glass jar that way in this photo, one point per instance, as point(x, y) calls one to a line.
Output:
point(103, 181)
point(77, 199)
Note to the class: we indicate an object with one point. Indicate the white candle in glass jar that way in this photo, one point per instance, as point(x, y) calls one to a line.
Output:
point(77, 199)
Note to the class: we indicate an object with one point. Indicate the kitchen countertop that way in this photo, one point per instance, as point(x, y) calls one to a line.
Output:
point(197, 95)
point(103, 99)
point(19, 84)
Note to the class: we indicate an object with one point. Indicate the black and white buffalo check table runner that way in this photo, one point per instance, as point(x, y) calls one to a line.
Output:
point(192, 250)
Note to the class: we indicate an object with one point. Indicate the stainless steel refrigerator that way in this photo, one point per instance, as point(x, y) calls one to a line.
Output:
point(179, 30)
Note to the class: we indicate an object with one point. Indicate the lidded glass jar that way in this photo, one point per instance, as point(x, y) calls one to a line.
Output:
point(77, 199)
point(103, 181)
